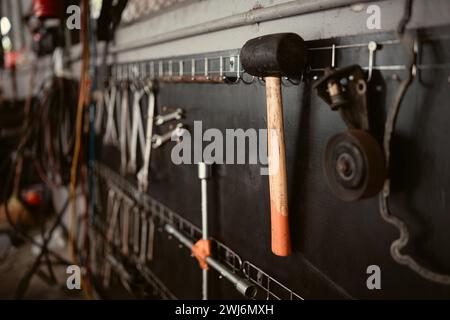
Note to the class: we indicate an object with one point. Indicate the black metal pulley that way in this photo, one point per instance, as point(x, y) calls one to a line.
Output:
point(353, 160)
point(353, 164)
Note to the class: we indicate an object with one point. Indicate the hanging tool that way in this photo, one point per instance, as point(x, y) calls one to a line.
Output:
point(144, 238)
point(372, 46)
point(125, 129)
point(127, 209)
point(112, 235)
point(175, 115)
point(137, 130)
point(204, 173)
point(242, 285)
point(353, 160)
point(136, 230)
point(110, 136)
point(151, 239)
point(271, 57)
point(131, 229)
point(201, 250)
point(172, 134)
point(142, 175)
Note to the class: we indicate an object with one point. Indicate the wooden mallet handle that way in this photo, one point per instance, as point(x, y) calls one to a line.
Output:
point(281, 240)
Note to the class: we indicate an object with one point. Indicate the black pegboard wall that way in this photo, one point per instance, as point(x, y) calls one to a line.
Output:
point(334, 242)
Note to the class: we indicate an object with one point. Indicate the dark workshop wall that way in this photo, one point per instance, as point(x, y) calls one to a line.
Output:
point(334, 241)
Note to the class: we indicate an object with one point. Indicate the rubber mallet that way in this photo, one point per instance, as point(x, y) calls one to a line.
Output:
point(272, 57)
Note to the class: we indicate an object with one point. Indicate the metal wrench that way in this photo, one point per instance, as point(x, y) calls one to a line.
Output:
point(106, 272)
point(131, 229)
point(151, 240)
point(136, 222)
point(115, 209)
point(113, 235)
point(144, 235)
point(127, 205)
point(176, 115)
point(110, 136)
point(124, 128)
point(142, 175)
point(372, 48)
point(174, 134)
point(137, 130)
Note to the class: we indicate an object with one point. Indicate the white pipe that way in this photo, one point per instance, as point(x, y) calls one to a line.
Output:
point(289, 9)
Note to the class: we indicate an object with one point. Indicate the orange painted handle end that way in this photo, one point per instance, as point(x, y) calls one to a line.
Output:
point(281, 238)
point(202, 250)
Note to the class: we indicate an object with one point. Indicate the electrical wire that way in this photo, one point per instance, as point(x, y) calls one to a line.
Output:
point(29, 130)
point(89, 213)
point(54, 113)
point(83, 101)
point(50, 136)
point(79, 128)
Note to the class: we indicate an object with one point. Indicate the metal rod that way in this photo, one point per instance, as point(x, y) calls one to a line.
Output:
point(204, 284)
point(243, 286)
point(204, 210)
point(353, 45)
point(204, 173)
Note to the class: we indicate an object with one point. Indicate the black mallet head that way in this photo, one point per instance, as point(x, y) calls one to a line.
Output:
point(277, 55)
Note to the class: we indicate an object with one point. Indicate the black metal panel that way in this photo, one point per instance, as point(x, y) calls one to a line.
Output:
point(334, 241)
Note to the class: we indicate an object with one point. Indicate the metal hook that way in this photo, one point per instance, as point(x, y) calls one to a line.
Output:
point(160, 69)
point(152, 70)
point(372, 46)
point(238, 67)
point(232, 80)
point(193, 69)
point(206, 68)
point(291, 81)
point(333, 56)
point(221, 67)
point(245, 81)
point(170, 68)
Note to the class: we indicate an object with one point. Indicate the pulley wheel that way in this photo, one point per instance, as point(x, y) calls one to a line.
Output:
point(354, 165)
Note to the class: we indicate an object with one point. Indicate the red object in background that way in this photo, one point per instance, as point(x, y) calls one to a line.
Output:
point(32, 198)
point(11, 58)
point(48, 8)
